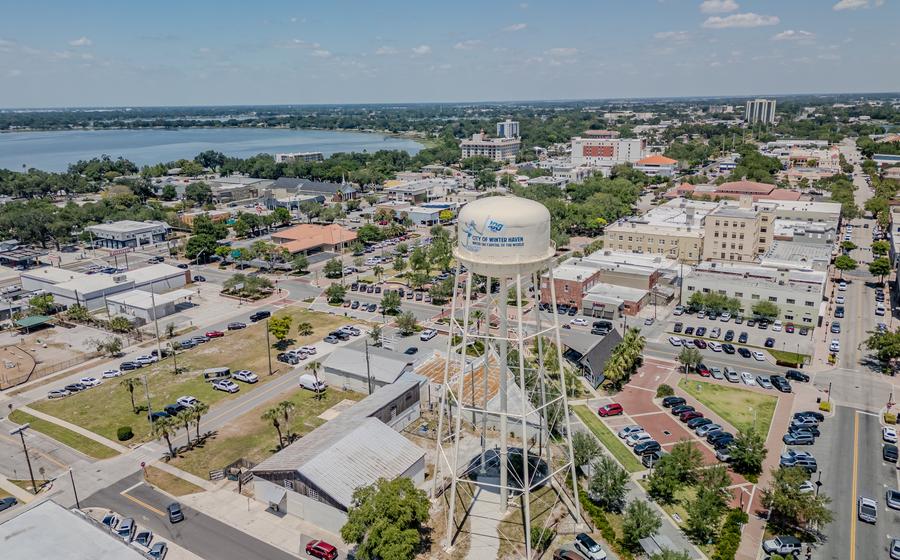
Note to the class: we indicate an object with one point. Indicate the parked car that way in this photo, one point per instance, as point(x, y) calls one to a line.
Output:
point(128, 366)
point(187, 401)
point(628, 430)
point(321, 549)
point(260, 315)
point(674, 341)
point(780, 383)
point(669, 402)
point(612, 409)
point(647, 447)
point(728, 348)
point(744, 352)
point(783, 545)
point(747, 378)
point(158, 551)
point(58, 394)
point(690, 415)
point(795, 375)
point(143, 538)
point(214, 334)
point(758, 356)
point(564, 554)
point(589, 547)
point(412, 350)
point(770, 342)
point(237, 325)
point(226, 385)
point(75, 387)
point(110, 521)
point(892, 499)
point(716, 373)
point(126, 529)
point(681, 409)
point(107, 374)
point(867, 509)
point(308, 381)
point(889, 452)
point(637, 438)
point(650, 459)
point(6, 503)
point(763, 381)
point(245, 376)
point(702, 431)
point(678, 327)
point(731, 375)
point(889, 434)
point(427, 334)
point(173, 409)
point(175, 512)
point(794, 438)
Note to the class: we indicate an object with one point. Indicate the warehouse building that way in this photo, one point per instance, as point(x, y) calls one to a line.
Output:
point(126, 234)
point(315, 477)
point(364, 369)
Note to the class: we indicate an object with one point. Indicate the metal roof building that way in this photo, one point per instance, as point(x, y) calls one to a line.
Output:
point(347, 367)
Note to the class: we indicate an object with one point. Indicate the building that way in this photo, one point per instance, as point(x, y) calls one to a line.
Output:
point(602, 151)
point(421, 190)
point(760, 111)
point(508, 129)
point(496, 149)
point(299, 157)
point(801, 256)
point(70, 287)
point(234, 188)
point(322, 191)
point(557, 181)
point(808, 211)
point(188, 218)
point(49, 530)
point(309, 239)
point(733, 190)
point(315, 477)
point(673, 230)
point(797, 293)
point(738, 232)
point(464, 196)
point(143, 307)
point(588, 353)
point(429, 214)
point(365, 369)
point(126, 234)
point(607, 301)
point(657, 166)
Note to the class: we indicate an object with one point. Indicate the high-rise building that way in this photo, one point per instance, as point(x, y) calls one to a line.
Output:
point(760, 110)
point(497, 149)
point(508, 129)
point(606, 151)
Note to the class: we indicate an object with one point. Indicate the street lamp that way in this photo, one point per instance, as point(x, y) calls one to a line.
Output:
point(21, 432)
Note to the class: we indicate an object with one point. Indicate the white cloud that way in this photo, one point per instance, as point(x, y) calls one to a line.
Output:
point(852, 5)
point(467, 45)
point(6, 44)
point(676, 36)
point(81, 42)
point(385, 50)
point(321, 53)
point(421, 50)
point(740, 20)
point(562, 51)
point(792, 35)
point(515, 27)
point(718, 6)
point(15, 72)
point(299, 44)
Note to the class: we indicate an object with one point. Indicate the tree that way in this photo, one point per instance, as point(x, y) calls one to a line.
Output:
point(335, 293)
point(185, 417)
point(662, 484)
point(120, 324)
point(304, 329)
point(199, 409)
point(880, 248)
point(313, 368)
point(707, 509)
point(203, 225)
point(686, 460)
point(390, 302)
point(609, 484)
point(273, 415)
point(844, 262)
point(300, 263)
point(386, 520)
point(78, 313)
point(287, 408)
point(407, 323)
point(879, 267)
point(848, 246)
point(280, 327)
point(667, 554)
point(200, 246)
point(399, 263)
point(748, 451)
point(130, 384)
point(169, 192)
point(639, 522)
point(378, 271)
point(200, 193)
point(689, 358)
point(789, 505)
point(418, 260)
point(766, 309)
point(375, 335)
point(585, 447)
point(165, 427)
point(41, 304)
point(282, 216)
point(333, 269)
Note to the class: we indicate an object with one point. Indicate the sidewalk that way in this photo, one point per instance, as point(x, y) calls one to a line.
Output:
point(16, 492)
point(77, 429)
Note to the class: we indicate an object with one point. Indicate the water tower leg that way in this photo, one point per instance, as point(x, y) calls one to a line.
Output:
point(526, 479)
point(504, 429)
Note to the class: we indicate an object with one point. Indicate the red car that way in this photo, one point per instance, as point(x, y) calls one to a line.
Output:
point(321, 549)
point(612, 409)
point(789, 328)
point(703, 370)
point(690, 415)
point(215, 334)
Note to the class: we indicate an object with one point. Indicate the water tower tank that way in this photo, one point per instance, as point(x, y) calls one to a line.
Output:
point(504, 232)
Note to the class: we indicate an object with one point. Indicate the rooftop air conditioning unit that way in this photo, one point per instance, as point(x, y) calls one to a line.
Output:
point(119, 278)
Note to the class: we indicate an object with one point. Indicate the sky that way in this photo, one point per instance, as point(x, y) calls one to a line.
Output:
point(225, 52)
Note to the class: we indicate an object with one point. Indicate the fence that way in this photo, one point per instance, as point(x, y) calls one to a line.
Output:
point(44, 370)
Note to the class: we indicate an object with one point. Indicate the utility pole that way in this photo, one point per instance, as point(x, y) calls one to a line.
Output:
point(149, 408)
point(268, 347)
point(74, 490)
point(155, 321)
point(21, 431)
point(368, 369)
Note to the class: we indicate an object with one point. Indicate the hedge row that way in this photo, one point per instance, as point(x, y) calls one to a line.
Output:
point(730, 535)
point(598, 516)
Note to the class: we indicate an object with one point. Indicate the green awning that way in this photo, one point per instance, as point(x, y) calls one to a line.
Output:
point(33, 321)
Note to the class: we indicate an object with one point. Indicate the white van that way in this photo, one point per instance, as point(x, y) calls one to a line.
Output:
point(308, 381)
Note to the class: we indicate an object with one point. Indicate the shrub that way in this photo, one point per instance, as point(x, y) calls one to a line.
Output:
point(664, 391)
point(825, 406)
point(124, 433)
point(541, 538)
point(730, 535)
point(890, 418)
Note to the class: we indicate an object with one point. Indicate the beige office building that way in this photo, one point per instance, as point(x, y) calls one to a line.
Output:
point(673, 230)
point(738, 232)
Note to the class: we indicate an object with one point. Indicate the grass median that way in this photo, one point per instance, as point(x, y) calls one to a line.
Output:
point(739, 407)
point(105, 408)
point(609, 440)
point(65, 436)
point(174, 485)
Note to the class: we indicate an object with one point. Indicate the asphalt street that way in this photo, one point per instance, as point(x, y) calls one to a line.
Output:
point(45, 453)
point(198, 533)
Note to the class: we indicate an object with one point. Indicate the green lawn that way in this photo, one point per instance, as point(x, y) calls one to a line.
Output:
point(609, 440)
point(788, 357)
point(105, 408)
point(66, 436)
point(170, 483)
point(738, 407)
point(255, 439)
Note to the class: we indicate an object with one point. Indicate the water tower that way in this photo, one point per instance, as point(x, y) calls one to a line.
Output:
point(503, 425)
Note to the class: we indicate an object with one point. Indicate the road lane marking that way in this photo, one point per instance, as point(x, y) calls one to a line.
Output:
point(38, 451)
point(142, 503)
point(853, 485)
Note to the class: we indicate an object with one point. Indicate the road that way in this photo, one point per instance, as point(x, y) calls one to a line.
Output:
point(45, 453)
point(198, 533)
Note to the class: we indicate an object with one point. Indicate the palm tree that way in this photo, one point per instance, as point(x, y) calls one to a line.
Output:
point(477, 316)
point(313, 368)
point(272, 415)
point(375, 335)
point(200, 408)
point(130, 384)
point(185, 417)
point(164, 427)
point(378, 271)
point(287, 408)
point(305, 329)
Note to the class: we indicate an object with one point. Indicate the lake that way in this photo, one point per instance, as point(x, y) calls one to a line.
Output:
point(54, 151)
